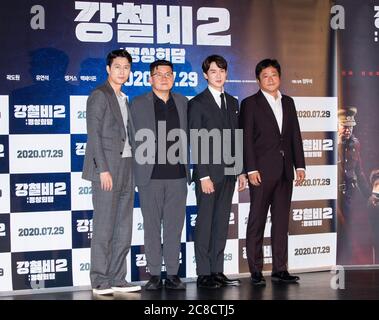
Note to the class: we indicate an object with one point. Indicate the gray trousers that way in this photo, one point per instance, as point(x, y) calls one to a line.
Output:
point(112, 228)
point(163, 202)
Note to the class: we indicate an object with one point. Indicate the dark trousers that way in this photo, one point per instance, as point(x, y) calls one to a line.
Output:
point(277, 194)
point(212, 224)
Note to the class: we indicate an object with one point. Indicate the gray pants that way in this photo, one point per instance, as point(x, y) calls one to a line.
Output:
point(112, 228)
point(163, 201)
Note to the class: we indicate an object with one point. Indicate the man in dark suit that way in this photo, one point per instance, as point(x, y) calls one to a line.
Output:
point(272, 148)
point(162, 180)
point(215, 111)
point(108, 165)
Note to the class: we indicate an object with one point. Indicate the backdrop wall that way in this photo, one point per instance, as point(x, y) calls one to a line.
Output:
point(53, 55)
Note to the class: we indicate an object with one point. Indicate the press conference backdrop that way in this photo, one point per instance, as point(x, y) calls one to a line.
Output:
point(52, 55)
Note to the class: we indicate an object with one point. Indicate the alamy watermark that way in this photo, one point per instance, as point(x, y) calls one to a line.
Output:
point(338, 279)
point(214, 146)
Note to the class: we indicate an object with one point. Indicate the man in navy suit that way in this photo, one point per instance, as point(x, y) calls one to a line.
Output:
point(214, 110)
point(272, 148)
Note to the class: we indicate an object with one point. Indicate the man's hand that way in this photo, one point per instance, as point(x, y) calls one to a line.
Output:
point(300, 176)
point(255, 179)
point(242, 182)
point(207, 186)
point(106, 181)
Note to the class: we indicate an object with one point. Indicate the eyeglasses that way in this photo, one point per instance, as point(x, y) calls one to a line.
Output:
point(162, 75)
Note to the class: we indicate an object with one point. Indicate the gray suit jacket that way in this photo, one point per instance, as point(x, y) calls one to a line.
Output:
point(105, 133)
point(143, 114)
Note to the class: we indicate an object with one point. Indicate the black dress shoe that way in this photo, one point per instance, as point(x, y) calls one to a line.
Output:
point(284, 277)
point(207, 282)
point(155, 283)
point(224, 280)
point(257, 279)
point(174, 283)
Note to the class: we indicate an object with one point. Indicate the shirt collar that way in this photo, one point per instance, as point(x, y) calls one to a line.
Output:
point(156, 98)
point(121, 95)
point(270, 98)
point(215, 92)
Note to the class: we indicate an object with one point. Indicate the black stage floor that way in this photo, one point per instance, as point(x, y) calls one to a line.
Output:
point(355, 285)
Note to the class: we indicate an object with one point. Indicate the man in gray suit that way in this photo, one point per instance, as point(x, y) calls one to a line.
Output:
point(161, 177)
point(108, 165)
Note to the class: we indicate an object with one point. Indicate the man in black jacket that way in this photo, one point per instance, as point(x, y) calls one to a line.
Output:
point(272, 148)
point(214, 111)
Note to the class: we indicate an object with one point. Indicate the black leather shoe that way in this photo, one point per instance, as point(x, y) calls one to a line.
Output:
point(224, 280)
point(284, 277)
point(155, 283)
point(174, 283)
point(257, 279)
point(207, 282)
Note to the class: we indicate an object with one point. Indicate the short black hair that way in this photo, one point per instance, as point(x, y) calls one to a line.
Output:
point(158, 63)
point(220, 62)
point(118, 53)
point(265, 64)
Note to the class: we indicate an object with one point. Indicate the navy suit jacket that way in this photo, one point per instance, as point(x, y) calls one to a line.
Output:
point(204, 113)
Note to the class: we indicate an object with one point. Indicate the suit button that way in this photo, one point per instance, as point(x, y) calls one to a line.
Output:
point(121, 153)
point(123, 140)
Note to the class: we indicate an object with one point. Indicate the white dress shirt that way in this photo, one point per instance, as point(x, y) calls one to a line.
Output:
point(216, 95)
point(127, 152)
point(277, 109)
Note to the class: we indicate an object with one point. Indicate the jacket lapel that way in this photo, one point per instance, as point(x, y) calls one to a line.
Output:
point(150, 113)
point(285, 116)
point(180, 111)
point(183, 125)
point(215, 109)
point(114, 106)
point(130, 119)
point(268, 111)
point(232, 113)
